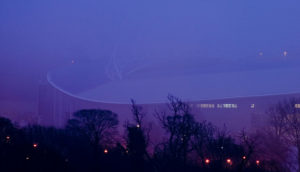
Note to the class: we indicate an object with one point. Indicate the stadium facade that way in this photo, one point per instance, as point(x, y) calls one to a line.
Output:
point(237, 99)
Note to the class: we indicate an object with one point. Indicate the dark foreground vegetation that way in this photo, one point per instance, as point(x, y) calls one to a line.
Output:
point(90, 142)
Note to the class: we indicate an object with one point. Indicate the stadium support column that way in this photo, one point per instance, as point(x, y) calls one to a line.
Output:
point(45, 104)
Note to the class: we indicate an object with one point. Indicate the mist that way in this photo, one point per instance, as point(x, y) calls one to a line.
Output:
point(39, 36)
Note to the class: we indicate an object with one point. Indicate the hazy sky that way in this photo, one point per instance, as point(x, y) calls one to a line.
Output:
point(39, 35)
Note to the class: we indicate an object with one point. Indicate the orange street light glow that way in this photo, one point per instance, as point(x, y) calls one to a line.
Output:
point(229, 161)
point(105, 151)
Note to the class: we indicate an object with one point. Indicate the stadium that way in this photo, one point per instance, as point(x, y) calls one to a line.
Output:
point(231, 93)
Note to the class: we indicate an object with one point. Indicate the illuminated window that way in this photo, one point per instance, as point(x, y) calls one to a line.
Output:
point(219, 106)
point(206, 105)
point(228, 106)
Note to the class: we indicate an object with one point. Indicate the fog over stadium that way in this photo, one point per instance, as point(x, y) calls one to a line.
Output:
point(226, 48)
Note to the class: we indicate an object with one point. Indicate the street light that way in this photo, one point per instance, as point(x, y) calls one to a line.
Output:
point(207, 161)
point(35, 145)
point(229, 161)
point(105, 151)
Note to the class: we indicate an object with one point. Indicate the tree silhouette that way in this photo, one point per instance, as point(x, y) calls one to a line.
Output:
point(137, 139)
point(203, 137)
point(10, 150)
point(87, 143)
point(180, 126)
point(98, 125)
point(285, 123)
point(222, 148)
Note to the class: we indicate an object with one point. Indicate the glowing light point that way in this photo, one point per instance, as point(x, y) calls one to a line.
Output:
point(207, 161)
point(244, 157)
point(35, 145)
point(285, 53)
point(27, 158)
point(105, 151)
point(229, 161)
point(138, 126)
point(257, 162)
point(7, 137)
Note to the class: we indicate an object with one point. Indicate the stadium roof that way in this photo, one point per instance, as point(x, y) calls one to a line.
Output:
point(89, 82)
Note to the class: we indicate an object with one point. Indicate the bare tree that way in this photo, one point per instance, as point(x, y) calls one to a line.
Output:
point(203, 137)
point(250, 143)
point(98, 125)
point(138, 116)
point(285, 123)
point(180, 126)
point(137, 138)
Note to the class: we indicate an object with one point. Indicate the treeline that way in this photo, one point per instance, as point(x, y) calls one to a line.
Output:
point(90, 142)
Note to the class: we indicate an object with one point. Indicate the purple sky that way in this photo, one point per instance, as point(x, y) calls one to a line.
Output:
point(37, 36)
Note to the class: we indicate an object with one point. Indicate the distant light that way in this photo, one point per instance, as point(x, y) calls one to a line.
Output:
point(35, 145)
point(285, 53)
point(7, 137)
point(105, 151)
point(257, 162)
point(27, 158)
point(252, 106)
point(229, 161)
point(138, 126)
point(207, 161)
point(244, 157)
